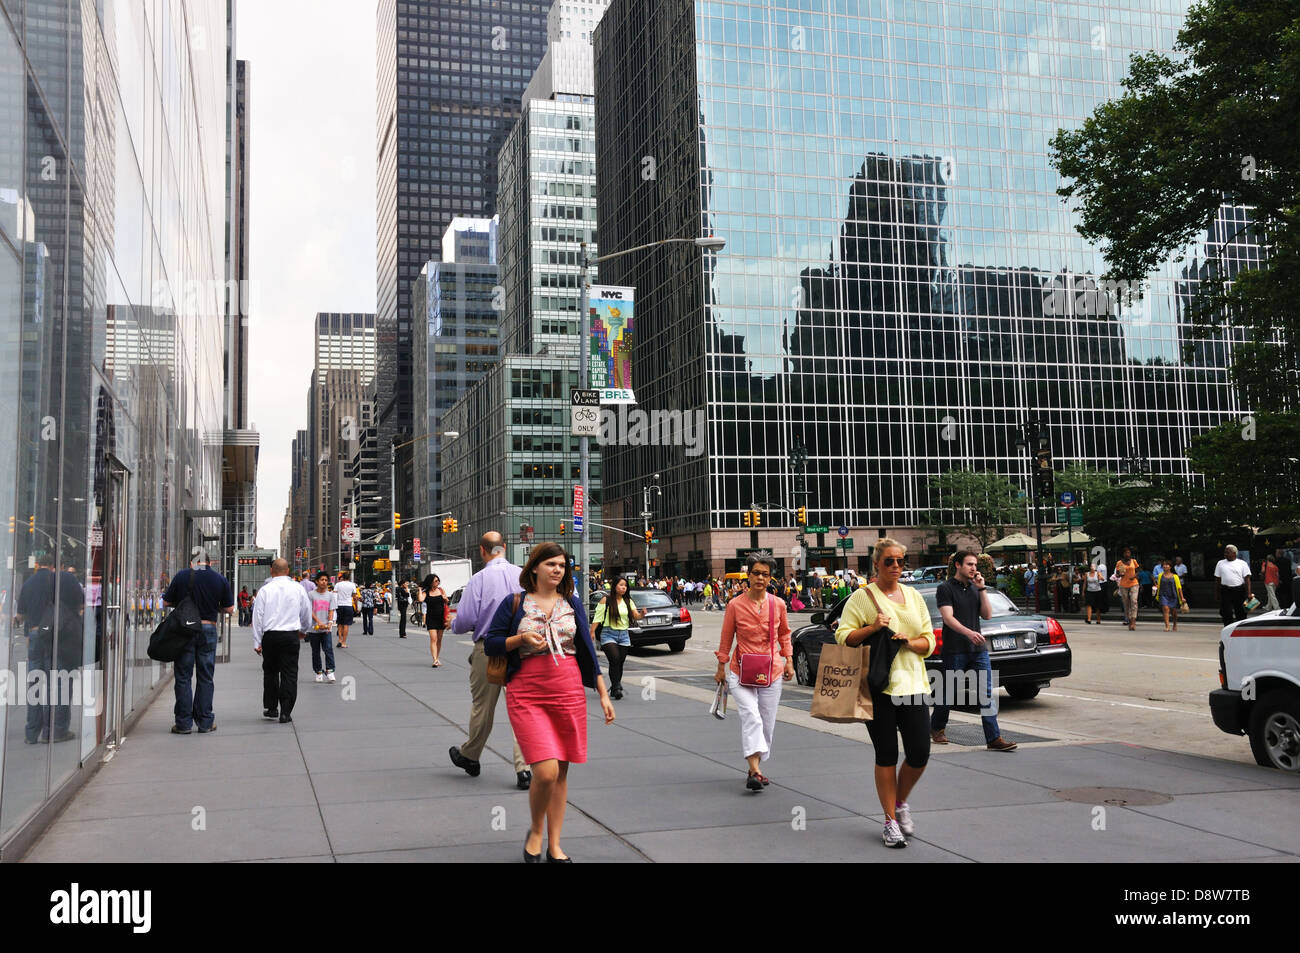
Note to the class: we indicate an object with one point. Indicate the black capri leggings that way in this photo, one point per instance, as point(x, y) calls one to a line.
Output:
point(905, 714)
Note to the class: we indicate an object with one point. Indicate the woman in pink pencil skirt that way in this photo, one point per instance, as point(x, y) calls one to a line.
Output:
point(544, 635)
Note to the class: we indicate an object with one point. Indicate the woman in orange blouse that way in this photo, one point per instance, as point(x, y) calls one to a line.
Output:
point(757, 623)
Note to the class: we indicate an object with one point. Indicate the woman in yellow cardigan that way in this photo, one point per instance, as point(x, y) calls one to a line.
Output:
point(901, 707)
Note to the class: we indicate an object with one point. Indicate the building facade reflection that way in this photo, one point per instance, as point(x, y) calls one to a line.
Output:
point(112, 204)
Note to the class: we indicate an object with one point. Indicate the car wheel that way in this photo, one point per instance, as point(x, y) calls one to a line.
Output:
point(1275, 731)
point(677, 645)
point(802, 669)
point(1022, 693)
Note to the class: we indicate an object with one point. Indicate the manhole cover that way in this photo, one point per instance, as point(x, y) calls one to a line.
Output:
point(1118, 797)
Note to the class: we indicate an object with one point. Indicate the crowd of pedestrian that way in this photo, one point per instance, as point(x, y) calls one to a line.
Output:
point(531, 639)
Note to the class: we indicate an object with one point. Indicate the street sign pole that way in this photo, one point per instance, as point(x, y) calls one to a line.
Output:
point(584, 382)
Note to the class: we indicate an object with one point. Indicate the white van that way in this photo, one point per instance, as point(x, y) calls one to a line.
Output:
point(1259, 686)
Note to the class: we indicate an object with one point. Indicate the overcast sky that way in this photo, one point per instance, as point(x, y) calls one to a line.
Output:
point(311, 206)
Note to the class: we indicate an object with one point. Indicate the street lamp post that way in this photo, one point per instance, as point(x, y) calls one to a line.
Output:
point(585, 261)
point(392, 482)
point(1032, 440)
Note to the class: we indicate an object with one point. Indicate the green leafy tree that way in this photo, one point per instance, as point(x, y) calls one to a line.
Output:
point(1159, 516)
point(1213, 123)
point(1251, 468)
point(977, 504)
point(1082, 480)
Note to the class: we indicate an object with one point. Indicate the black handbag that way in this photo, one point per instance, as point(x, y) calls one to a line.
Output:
point(883, 650)
point(177, 630)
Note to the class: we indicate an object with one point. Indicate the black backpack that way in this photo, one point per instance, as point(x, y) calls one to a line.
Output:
point(177, 630)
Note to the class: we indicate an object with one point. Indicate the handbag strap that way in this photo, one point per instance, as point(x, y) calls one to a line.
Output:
point(771, 625)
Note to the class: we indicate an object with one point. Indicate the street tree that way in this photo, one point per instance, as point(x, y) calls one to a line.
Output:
point(1251, 467)
point(1212, 125)
point(977, 505)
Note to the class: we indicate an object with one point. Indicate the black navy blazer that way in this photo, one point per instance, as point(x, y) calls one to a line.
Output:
point(506, 623)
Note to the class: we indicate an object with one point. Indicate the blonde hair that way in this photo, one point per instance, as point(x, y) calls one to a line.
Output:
point(883, 544)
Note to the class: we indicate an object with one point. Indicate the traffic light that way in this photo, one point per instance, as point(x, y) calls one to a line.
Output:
point(748, 517)
point(446, 525)
point(13, 523)
point(648, 536)
point(31, 524)
point(758, 518)
point(455, 525)
point(802, 517)
point(397, 520)
point(561, 529)
point(1044, 478)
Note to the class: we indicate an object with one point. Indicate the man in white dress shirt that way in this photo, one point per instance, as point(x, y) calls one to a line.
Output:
point(281, 616)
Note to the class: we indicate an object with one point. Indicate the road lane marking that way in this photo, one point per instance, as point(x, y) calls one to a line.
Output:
point(1183, 658)
point(1103, 701)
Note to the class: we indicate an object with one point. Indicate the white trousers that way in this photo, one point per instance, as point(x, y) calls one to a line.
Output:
point(1271, 589)
point(757, 708)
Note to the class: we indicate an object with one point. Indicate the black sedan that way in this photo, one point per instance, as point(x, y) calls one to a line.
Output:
point(663, 624)
point(1026, 650)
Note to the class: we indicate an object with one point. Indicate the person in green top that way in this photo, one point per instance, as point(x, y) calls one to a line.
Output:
point(615, 612)
point(901, 707)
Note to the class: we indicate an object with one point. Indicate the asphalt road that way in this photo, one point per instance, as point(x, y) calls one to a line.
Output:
point(1148, 687)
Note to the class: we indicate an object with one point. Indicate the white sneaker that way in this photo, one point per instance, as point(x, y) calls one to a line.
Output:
point(903, 814)
point(320, 677)
point(329, 676)
point(892, 836)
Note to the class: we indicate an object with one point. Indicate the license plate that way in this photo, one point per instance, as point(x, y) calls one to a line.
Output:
point(1002, 643)
point(655, 620)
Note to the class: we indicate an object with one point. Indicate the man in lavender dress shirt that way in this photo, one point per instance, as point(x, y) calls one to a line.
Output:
point(496, 581)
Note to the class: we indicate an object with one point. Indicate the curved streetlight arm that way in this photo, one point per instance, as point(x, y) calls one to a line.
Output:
point(709, 244)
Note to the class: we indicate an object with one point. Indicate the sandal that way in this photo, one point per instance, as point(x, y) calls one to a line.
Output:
point(763, 779)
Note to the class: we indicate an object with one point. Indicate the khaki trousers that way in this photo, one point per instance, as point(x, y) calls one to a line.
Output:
point(484, 696)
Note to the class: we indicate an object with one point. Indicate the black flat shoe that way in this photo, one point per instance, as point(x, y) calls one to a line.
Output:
point(472, 768)
point(557, 860)
point(532, 858)
point(285, 719)
point(523, 780)
point(270, 713)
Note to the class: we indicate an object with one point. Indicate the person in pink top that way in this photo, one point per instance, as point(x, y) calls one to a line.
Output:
point(756, 622)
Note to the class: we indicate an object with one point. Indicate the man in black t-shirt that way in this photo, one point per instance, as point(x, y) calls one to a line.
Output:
point(963, 603)
point(212, 597)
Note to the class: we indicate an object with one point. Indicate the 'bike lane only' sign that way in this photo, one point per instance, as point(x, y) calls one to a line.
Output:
point(584, 413)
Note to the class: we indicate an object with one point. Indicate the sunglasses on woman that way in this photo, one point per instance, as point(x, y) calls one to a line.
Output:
point(894, 560)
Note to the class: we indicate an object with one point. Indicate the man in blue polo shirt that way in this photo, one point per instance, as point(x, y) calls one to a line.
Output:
point(963, 603)
point(212, 596)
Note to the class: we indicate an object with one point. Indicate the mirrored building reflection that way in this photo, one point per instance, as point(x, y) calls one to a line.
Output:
point(113, 198)
point(901, 287)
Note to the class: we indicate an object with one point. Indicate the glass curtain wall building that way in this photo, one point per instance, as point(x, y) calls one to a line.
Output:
point(457, 303)
point(113, 132)
point(901, 287)
point(450, 77)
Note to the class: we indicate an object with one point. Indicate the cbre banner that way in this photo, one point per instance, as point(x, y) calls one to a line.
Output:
point(612, 339)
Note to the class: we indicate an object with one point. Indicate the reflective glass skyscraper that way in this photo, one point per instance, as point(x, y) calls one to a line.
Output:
point(113, 139)
point(902, 287)
point(450, 77)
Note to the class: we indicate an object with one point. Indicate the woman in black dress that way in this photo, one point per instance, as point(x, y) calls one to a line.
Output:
point(434, 598)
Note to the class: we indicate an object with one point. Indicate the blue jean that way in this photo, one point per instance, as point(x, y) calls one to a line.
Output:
point(977, 662)
point(198, 661)
point(321, 640)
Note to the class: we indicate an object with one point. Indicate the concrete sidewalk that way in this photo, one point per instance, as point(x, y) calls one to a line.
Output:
point(362, 774)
